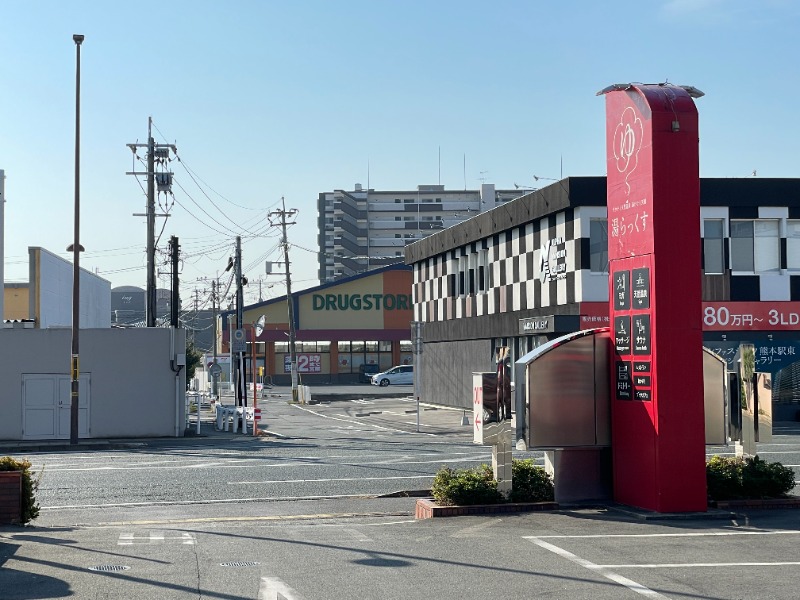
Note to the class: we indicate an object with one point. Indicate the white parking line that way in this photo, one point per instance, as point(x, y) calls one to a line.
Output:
point(663, 535)
point(357, 422)
point(328, 480)
point(688, 565)
point(599, 569)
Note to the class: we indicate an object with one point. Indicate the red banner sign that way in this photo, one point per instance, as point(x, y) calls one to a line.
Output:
point(719, 316)
point(755, 316)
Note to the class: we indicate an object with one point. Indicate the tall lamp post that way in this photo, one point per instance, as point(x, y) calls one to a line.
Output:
point(76, 248)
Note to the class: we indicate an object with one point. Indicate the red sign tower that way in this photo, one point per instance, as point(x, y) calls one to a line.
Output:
point(658, 429)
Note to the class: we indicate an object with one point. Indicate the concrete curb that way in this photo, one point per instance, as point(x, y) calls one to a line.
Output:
point(428, 509)
point(763, 503)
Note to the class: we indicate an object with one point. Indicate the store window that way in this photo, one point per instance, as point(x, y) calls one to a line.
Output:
point(354, 354)
point(406, 354)
point(755, 246)
point(598, 245)
point(713, 246)
point(793, 245)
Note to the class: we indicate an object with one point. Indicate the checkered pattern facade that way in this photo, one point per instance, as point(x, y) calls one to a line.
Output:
point(514, 264)
point(513, 279)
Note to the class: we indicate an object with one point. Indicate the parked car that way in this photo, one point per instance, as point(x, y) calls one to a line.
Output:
point(401, 375)
point(365, 373)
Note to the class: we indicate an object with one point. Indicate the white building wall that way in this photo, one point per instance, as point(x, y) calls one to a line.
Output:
point(134, 391)
point(51, 280)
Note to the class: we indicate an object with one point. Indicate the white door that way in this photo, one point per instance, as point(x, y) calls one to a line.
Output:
point(46, 406)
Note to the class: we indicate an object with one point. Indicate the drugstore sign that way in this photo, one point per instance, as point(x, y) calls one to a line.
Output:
point(341, 302)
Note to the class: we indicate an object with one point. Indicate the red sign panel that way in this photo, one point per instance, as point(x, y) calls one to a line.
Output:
point(306, 363)
point(755, 316)
point(653, 189)
point(719, 316)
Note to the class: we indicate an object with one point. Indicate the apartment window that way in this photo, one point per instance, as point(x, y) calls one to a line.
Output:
point(397, 200)
point(793, 245)
point(397, 235)
point(438, 199)
point(408, 200)
point(408, 218)
point(398, 218)
point(598, 245)
point(713, 246)
point(755, 246)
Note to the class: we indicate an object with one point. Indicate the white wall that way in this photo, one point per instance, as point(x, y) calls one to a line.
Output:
point(51, 293)
point(133, 387)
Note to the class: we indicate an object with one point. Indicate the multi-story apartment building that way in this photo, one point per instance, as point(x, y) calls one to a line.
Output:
point(363, 229)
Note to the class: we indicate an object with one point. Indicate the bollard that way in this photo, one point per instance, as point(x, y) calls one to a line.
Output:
point(220, 415)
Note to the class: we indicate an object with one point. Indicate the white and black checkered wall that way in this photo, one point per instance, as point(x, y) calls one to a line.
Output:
point(514, 261)
point(515, 280)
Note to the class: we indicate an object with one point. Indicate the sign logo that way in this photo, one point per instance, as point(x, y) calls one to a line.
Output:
point(627, 143)
point(553, 260)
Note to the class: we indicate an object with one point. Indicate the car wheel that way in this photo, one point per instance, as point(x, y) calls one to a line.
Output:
point(384, 382)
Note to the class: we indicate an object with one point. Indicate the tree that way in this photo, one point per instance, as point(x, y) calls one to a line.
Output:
point(193, 358)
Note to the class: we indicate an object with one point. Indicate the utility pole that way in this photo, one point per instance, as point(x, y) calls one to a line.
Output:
point(283, 214)
point(174, 249)
point(241, 396)
point(164, 181)
point(214, 378)
point(76, 268)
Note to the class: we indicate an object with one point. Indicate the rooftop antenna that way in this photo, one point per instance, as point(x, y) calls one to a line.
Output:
point(482, 177)
point(465, 171)
point(440, 165)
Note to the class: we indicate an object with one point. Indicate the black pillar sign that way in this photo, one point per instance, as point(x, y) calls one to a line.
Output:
point(622, 290)
point(641, 334)
point(640, 284)
point(623, 380)
point(622, 334)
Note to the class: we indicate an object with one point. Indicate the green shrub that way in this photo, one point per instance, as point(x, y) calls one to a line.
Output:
point(735, 478)
point(762, 479)
point(464, 487)
point(724, 477)
point(30, 509)
point(530, 483)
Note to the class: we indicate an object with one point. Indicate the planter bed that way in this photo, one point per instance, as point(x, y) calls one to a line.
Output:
point(10, 497)
point(429, 509)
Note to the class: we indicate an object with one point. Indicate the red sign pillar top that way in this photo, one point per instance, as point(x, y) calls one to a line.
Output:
point(658, 427)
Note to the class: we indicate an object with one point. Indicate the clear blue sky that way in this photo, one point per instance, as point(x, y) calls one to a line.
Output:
point(270, 99)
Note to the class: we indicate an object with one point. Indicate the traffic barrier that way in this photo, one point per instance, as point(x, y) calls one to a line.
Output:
point(256, 414)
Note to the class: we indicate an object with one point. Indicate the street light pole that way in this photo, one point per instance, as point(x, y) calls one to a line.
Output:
point(76, 248)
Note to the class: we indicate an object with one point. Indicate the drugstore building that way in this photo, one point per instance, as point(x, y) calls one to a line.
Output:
point(339, 327)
